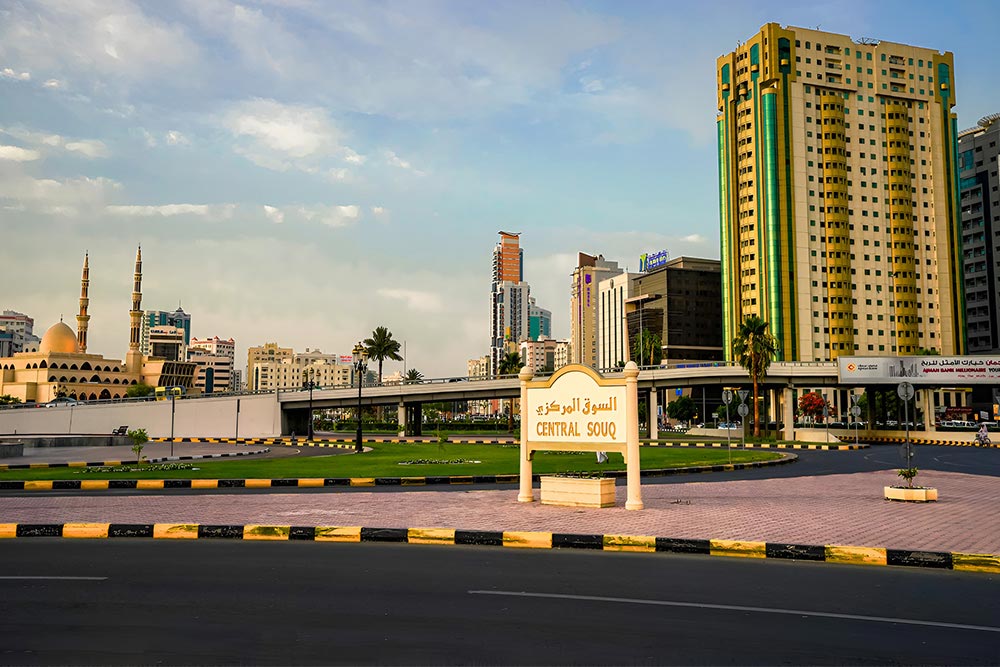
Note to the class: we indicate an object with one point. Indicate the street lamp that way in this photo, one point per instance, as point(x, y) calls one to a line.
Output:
point(360, 356)
point(309, 382)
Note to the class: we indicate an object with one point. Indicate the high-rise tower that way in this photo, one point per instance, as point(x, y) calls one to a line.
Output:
point(509, 299)
point(83, 318)
point(584, 331)
point(838, 194)
point(133, 359)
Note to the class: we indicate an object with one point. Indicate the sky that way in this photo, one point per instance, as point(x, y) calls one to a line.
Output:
point(302, 171)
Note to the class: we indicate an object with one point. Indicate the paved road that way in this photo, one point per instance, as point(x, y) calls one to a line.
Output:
point(307, 603)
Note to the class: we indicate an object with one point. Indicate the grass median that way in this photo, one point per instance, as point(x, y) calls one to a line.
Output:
point(402, 460)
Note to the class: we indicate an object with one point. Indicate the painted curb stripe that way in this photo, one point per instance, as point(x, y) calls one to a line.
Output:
point(310, 482)
point(640, 543)
point(975, 562)
point(384, 535)
point(795, 551)
point(737, 548)
point(175, 531)
point(338, 534)
point(220, 532)
point(938, 559)
point(486, 538)
point(8, 531)
point(266, 532)
point(855, 555)
point(430, 536)
point(570, 541)
point(524, 539)
point(362, 481)
point(39, 530)
point(130, 530)
point(85, 530)
point(682, 546)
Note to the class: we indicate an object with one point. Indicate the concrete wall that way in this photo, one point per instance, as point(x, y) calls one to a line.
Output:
point(260, 416)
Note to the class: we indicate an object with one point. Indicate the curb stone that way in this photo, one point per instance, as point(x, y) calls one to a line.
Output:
point(855, 555)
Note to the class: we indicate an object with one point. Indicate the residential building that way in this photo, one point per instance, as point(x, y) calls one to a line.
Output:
point(539, 355)
point(838, 195)
point(561, 355)
point(263, 354)
point(590, 270)
point(215, 358)
point(978, 149)
point(20, 327)
point(272, 368)
point(681, 302)
point(160, 318)
point(510, 298)
point(612, 336)
point(480, 369)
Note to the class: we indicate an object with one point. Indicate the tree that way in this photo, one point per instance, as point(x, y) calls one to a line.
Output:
point(7, 399)
point(647, 348)
point(682, 409)
point(381, 346)
point(413, 376)
point(812, 404)
point(510, 364)
point(139, 440)
point(754, 347)
point(138, 391)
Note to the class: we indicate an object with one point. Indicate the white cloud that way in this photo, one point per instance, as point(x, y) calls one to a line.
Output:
point(352, 157)
point(425, 302)
point(53, 83)
point(50, 196)
point(175, 138)
point(396, 161)
point(694, 238)
point(18, 154)
point(8, 73)
point(274, 215)
point(213, 211)
point(90, 148)
point(378, 210)
point(338, 175)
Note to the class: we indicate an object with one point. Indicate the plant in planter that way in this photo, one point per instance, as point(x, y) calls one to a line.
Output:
point(909, 492)
point(139, 440)
point(908, 474)
point(578, 490)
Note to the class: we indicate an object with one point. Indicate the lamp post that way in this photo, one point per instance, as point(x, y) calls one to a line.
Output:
point(360, 356)
point(173, 407)
point(309, 382)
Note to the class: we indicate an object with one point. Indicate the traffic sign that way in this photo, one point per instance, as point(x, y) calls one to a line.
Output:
point(743, 410)
point(727, 396)
point(742, 393)
point(826, 411)
point(905, 390)
point(856, 411)
point(855, 398)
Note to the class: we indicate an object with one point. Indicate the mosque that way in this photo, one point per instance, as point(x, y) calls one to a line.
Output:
point(62, 366)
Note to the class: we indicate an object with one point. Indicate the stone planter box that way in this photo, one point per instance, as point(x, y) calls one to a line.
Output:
point(919, 494)
point(578, 491)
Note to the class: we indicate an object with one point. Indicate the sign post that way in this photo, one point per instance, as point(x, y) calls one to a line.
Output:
point(905, 391)
point(576, 409)
point(727, 398)
point(855, 413)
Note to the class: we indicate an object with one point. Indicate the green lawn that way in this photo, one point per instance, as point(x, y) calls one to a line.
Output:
point(385, 458)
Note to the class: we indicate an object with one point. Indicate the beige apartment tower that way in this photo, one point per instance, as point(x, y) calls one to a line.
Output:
point(838, 195)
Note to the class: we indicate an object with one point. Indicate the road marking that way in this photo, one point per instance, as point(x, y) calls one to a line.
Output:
point(729, 607)
point(54, 578)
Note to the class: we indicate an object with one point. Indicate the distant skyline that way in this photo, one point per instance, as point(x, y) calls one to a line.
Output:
point(303, 172)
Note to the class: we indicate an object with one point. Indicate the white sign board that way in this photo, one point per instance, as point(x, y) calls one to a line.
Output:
point(920, 370)
point(576, 409)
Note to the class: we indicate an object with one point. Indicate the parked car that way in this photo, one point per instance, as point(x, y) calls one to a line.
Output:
point(838, 425)
point(61, 402)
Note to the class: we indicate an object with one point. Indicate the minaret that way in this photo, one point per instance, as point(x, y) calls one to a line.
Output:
point(83, 319)
point(133, 360)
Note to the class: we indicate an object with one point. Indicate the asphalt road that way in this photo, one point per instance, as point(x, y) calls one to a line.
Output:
point(218, 602)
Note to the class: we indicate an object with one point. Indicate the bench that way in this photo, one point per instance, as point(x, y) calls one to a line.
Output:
point(121, 430)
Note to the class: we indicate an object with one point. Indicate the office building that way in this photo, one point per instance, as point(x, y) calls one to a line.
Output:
point(681, 302)
point(838, 196)
point(167, 342)
point(978, 149)
point(509, 299)
point(612, 336)
point(584, 338)
point(263, 354)
point(161, 318)
point(539, 321)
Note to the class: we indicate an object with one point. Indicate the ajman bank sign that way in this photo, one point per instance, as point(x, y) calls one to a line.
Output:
point(921, 370)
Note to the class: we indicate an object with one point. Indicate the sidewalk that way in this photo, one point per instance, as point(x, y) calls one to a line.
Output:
point(823, 510)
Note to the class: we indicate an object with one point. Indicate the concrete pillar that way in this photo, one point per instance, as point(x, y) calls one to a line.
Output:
point(526, 493)
point(634, 489)
point(654, 426)
point(927, 405)
point(401, 417)
point(788, 412)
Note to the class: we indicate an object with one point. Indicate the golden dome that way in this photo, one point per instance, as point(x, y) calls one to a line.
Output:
point(59, 338)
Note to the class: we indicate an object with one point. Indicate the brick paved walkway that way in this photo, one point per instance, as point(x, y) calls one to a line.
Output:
point(829, 509)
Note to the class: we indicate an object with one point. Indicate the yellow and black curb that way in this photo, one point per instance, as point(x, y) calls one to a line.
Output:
point(929, 441)
point(111, 464)
point(946, 560)
point(321, 482)
point(751, 445)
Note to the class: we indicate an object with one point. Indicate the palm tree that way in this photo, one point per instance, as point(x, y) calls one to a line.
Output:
point(413, 376)
point(380, 347)
point(510, 364)
point(753, 348)
point(647, 345)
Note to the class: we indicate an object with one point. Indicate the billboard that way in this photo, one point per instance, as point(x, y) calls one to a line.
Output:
point(920, 370)
point(652, 260)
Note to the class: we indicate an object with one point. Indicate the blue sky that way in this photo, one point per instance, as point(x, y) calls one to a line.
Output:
point(303, 172)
